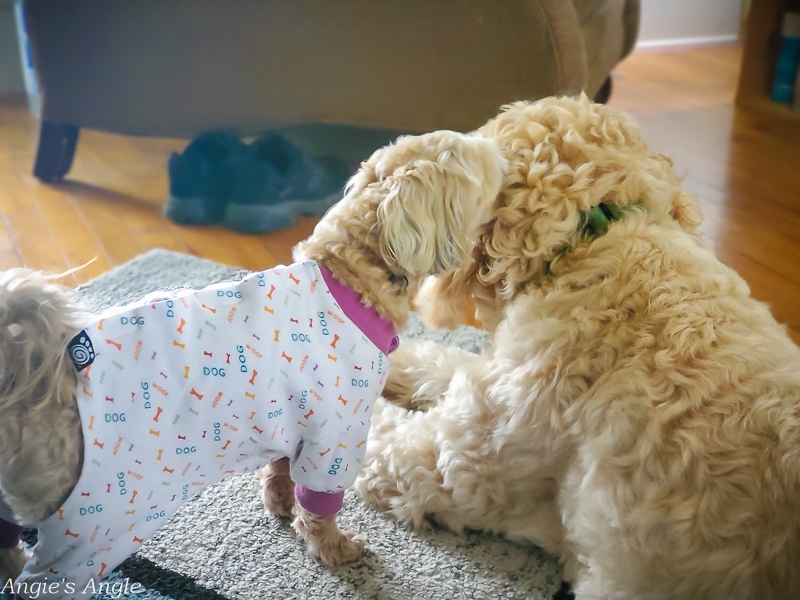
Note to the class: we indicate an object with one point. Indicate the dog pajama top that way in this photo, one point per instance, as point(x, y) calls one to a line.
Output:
point(178, 392)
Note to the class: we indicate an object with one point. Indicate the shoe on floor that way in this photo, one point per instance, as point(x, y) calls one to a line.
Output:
point(200, 179)
point(275, 182)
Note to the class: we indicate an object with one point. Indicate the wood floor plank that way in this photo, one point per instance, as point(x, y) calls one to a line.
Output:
point(115, 202)
point(13, 194)
point(104, 215)
point(71, 232)
point(280, 243)
point(19, 130)
point(9, 257)
point(205, 242)
point(246, 251)
point(35, 242)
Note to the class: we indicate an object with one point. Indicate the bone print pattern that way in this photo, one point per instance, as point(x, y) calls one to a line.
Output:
point(187, 389)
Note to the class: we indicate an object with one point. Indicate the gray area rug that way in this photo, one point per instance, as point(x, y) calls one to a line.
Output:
point(223, 544)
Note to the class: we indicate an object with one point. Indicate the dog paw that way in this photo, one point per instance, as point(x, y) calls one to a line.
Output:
point(421, 373)
point(325, 541)
point(342, 549)
point(375, 487)
point(399, 392)
point(12, 561)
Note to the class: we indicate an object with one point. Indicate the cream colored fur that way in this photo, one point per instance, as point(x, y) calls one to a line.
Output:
point(637, 413)
point(413, 209)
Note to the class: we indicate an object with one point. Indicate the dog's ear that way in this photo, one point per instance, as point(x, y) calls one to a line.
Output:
point(436, 199)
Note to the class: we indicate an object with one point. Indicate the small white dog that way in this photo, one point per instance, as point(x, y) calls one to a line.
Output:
point(637, 413)
point(109, 423)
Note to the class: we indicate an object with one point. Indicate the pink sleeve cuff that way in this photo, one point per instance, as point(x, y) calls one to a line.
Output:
point(322, 504)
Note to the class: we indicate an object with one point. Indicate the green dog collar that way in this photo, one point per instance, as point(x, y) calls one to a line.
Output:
point(594, 222)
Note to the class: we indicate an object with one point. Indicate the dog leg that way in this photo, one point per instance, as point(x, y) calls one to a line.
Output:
point(277, 487)
point(415, 470)
point(325, 540)
point(421, 372)
point(12, 561)
point(461, 463)
point(399, 472)
point(13, 554)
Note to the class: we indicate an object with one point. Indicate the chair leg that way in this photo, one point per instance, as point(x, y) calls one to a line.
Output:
point(604, 93)
point(55, 152)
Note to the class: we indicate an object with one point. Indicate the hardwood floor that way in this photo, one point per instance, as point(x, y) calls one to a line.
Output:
point(747, 178)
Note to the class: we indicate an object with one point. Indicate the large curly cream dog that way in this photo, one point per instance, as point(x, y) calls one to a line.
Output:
point(638, 413)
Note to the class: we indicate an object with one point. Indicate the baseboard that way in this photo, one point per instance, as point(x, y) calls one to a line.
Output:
point(711, 40)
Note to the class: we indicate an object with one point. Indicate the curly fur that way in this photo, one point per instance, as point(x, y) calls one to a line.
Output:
point(637, 414)
point(412, 210)
point(37, 389)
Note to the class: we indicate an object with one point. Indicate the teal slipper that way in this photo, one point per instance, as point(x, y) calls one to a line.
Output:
point(201, 178)
point(275, 182)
